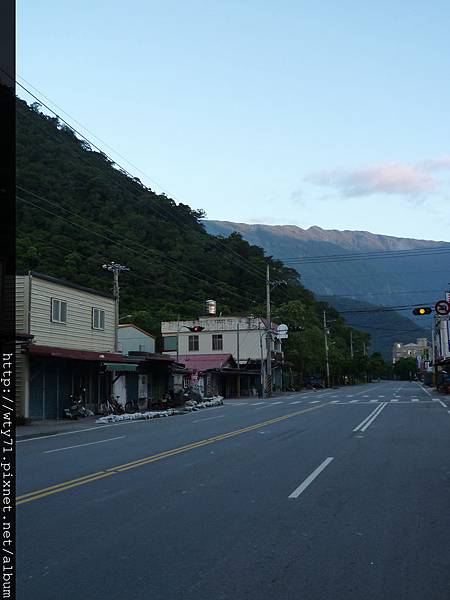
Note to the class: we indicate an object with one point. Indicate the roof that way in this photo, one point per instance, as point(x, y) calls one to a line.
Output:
point(56, 352)
point(205, 362)
point(152, 357)
point(70, 284)
point(138, 328)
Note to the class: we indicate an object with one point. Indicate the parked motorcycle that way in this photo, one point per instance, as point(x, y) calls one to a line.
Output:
point(76, 409)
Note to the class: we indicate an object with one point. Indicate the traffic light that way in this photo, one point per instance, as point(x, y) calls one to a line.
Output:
point(196, 329)
point(422, 310)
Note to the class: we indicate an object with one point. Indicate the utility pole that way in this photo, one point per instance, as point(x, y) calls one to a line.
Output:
point(178, 336)
point(263, 382)
point(351, 344)
point(325, 333)
point(433, 351)
point(268, 335)
point(115, 269)
point(365, 354)
point(238, 362)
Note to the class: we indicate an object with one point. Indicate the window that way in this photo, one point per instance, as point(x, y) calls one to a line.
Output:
point(170, 343)
point(59, 311)
point(193, 343)
point(217, 341)
point(98, 318)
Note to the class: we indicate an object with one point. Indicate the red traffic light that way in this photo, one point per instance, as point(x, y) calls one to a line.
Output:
point(196, 329)
point(422, 310)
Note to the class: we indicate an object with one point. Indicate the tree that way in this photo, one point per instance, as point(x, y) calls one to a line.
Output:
point(405, 368)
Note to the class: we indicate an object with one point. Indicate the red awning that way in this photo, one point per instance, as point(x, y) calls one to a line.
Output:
point(54, 352)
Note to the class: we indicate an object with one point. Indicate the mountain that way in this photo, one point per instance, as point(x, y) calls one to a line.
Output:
point(385, 327)
point(417, 277)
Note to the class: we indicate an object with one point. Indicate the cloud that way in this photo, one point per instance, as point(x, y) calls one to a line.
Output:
point(436, 164)
point(411, 180)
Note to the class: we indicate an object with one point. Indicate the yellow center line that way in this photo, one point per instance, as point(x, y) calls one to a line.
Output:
point(66, 485)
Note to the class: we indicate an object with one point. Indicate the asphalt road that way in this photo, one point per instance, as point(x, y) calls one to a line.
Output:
point(334, 495)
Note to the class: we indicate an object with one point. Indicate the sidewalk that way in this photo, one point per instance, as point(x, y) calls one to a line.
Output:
point(52, 426)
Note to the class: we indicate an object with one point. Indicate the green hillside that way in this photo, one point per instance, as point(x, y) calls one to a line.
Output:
point(77, 210)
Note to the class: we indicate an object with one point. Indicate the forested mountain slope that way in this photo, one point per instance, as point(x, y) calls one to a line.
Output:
point(77, 210)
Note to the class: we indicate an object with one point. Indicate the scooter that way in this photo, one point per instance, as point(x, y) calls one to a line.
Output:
point(76, 409)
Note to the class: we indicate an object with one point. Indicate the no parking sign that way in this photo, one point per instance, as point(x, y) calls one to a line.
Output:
point(442, 308)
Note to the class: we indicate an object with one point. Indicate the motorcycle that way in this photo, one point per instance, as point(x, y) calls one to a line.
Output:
point(76, 409)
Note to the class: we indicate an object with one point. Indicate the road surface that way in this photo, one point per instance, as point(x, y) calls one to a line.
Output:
point(337, 494)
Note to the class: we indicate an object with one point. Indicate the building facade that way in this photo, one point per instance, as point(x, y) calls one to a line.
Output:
point(242, 338)
point(65, 342)
point(134, 339)
point(422, 349)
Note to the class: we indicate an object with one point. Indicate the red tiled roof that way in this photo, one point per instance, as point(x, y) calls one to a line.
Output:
point(204, 362)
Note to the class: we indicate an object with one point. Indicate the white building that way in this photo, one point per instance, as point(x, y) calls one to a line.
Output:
point(421, 348)
point(242, 337)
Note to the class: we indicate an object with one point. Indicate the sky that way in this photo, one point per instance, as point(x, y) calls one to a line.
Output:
point(331, 113)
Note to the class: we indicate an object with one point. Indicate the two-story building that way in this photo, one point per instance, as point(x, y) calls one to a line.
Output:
point(242, 338)
point(66, 337)
point(421, 348)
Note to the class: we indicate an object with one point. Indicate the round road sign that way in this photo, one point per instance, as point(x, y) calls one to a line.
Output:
point(442, 307)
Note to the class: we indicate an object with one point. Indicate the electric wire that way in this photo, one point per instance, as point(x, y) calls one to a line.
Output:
point(134, 250)
point(248, 264)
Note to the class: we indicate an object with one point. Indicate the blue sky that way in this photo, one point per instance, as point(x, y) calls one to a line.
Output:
point(332, 114)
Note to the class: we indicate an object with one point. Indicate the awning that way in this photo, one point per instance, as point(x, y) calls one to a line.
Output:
point(120, 367)
point(54, 352)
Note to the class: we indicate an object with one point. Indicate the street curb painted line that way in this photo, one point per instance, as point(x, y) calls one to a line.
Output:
point(302, 487)
point(208, 419)
point(66, 485)
point(372, 415)
point(82, 445)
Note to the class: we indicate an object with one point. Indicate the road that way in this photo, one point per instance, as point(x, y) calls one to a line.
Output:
point(338, 494)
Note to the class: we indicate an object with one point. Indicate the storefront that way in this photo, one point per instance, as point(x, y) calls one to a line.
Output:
point(57, 374)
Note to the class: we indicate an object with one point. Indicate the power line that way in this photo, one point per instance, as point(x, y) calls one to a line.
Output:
point(135, 251)
point(380, 293)
point(385, 309)
point(250, 267)
point(372, 275)
point(351, 258)
point(136, 273)
point(109, 230)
